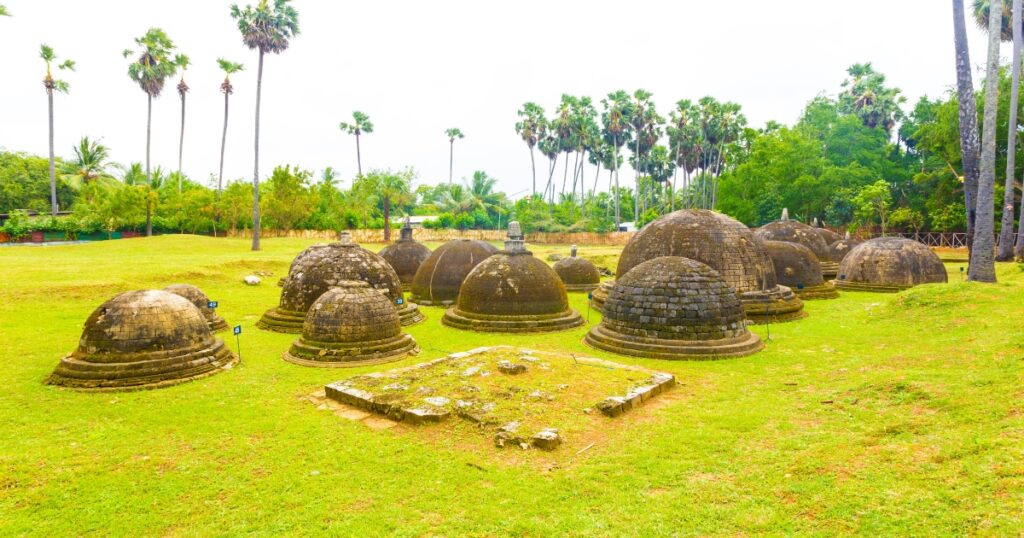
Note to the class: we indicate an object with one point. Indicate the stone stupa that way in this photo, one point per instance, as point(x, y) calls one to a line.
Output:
point(797, 232)
point(320, 269)
point(841, 248)
point(673, 308)
point(439, 277)
point(722, 243)
point(140, 340)
point(798, 268)
point(351, 324)
point(405, 255)
point(512, 291)
point(578, 274)
point(202, 302)
point(889, 264)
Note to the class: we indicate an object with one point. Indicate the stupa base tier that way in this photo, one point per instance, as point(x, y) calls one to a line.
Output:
point(334, 355)
point(512, 324)
point(288, 321)
point(847, 285)
point(812, 293)
point(776, 305)
point(581, 287)
point(601, 337)
point(146, 373)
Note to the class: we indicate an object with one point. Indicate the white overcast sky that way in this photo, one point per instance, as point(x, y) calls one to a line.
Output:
point(418, 68)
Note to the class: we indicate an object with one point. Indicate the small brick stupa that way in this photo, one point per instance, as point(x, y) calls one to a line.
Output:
point(798, 268)
point(889, 264)
point(841, 248)
point(405, 255)
point(797, 232)
point(578, 274)
point(512, 291)
point(140, 340)
point(320, 269)
point(438, 279)
point(724, 244)
point(202, 302)
point(351, 324)
point(673, 308)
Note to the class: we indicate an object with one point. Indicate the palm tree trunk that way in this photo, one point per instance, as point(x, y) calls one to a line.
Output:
point(982, 266)
point(387, 219)
point(359, 157)
point(968, 118)
point(256, 164)
point(149, 174)
point(181, 140)
point(223, 143)
point(53, 170)
point(615, 162)
point(451, 159)
point(533, 166)
point(565, 174)
point(1006, 231)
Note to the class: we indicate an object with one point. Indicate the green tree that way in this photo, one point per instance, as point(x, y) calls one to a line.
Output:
point(227, 89)
point(531, 128)
point(872, 202)
point(615, 128)
point(391, 189)
point(982, 264)
point(150, 71)
point(452, 133)
point(266, 28)
point(360, 125)
point(3, 11)
point(289, 201)
point(52, 85)
point(91, 164)
point(182, 62)
point(865, 95)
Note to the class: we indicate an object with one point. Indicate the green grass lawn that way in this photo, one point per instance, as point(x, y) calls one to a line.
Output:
point(878, 415)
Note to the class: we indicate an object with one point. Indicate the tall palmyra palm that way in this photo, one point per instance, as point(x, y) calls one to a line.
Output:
point(52, 85)
point(982, 264)
point(531, 129)
point(360, 125)
point(227, 89)
point(970, 147)
point(452, 133)
point(615, 129)
point(150, 71)
point(266, 28)
point(182, 62)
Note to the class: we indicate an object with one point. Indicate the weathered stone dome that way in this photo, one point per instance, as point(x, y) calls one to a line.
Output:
point(351, 324)
point(512, 291)
point(722, 243)
point(798, 268)
point(202, 302)
point(320, 269)
point(841, 248)
point(889, 264)
point(578, 274)
point(142, 339)
point(674, 308)
point(405, 256)
point(801, 234)
point(299, 261)
point(828, 235)
point(438, 279)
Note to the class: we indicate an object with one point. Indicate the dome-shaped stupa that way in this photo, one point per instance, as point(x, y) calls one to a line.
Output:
point(202, 302)
point(512, 291)
point(798, 268)
point(889, 264)
point(673, 308)
point(722, 243)
point(142, 339)
point(299, 261)
point(405, 255)
point(841, 248)
point(438, 279)
point(578, 274)
point(320, 269)
point(351, 324)
point(828, 235)
point(797, 232)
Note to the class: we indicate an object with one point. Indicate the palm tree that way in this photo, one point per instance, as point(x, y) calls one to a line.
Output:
point(390, 188)
point(982, 265)
point(51, 84)
point(227, 89)
point(182, 62)
point(616, 132)
point(969, 145)
point(3, 11)
point(267, 28)
point(152, 68)
point(531, 129)
point(360, 124)
point(452, 134)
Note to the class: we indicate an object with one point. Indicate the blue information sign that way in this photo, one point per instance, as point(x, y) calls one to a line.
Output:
point(212, 304)
point(400, 301)
point(237, 329)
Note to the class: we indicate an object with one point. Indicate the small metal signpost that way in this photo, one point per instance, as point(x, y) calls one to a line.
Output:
point(238, 343)
point(590, 303)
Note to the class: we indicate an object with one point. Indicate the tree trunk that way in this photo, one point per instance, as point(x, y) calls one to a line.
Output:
point(982, 266)
point(615, 163)
point(968, 117)
point(181, 139)
point(53, 169)
point(359, 158)
point(387, 219)
point(565, 174)
point(1006, 231)
point(256, 163)
point(223, 143)
point(533, 166)
point(149, 175)
point(451, 159)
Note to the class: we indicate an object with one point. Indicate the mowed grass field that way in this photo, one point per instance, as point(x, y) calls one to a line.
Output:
point(877, 415)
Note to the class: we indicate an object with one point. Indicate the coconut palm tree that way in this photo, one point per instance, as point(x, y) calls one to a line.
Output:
point(982, 266)
point(360, 125)
point(531, 129)
point(615, 129)
point(52, 85)
point(969, 145)
point(452, 134)
point(150, 71)
point(91, 163)
point(227, 89)
point(266, 28)
point(182, 62)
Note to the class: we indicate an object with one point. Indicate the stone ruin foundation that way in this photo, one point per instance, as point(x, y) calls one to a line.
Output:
point(440, 276)
point(141, 340)
point(798, 268)
point(405, 256)
point(202, 302)
point(673, 308)
point(889, 264)
point(351, 324)
point(578, 274)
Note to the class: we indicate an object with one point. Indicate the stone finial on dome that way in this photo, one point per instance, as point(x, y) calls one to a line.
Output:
point(847, 237)
point(572, 251)
point(515, 242)
point(345, 238)
point(406, 233)
point(785, 214)
point(817, 223)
